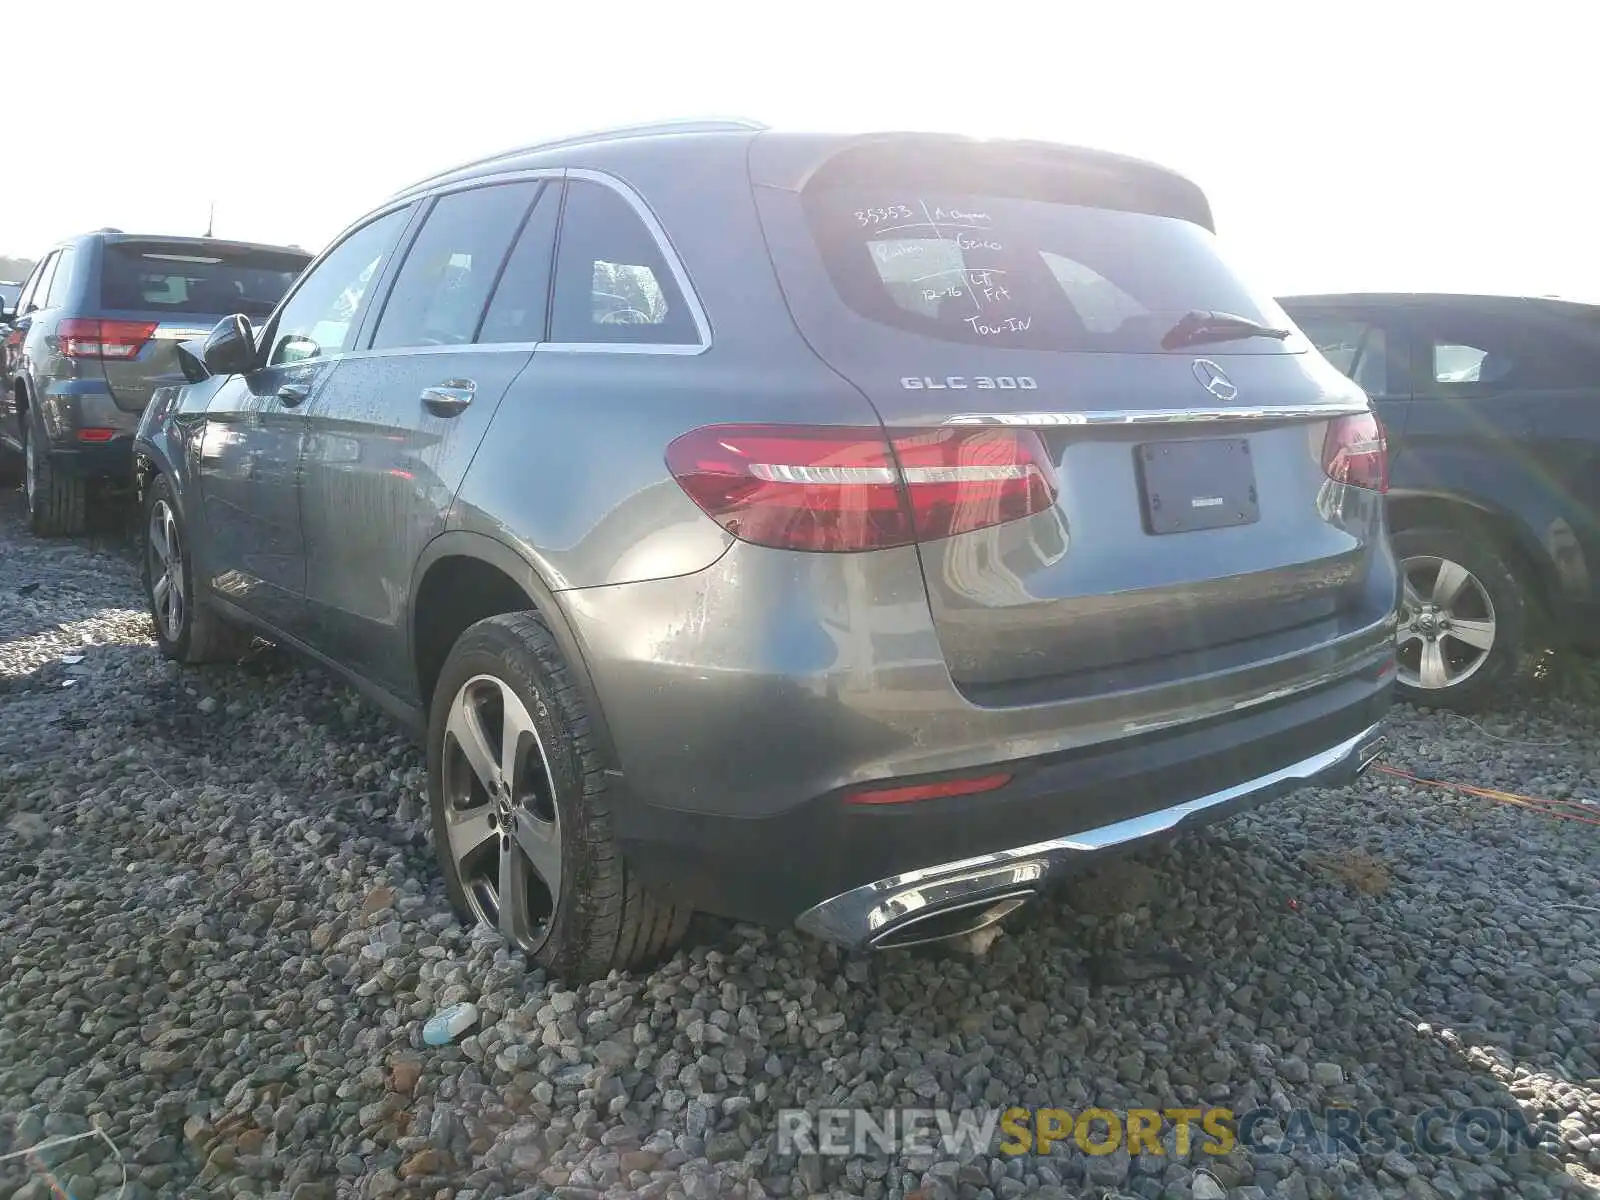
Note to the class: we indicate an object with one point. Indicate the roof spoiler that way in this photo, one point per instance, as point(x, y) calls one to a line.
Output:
point(792, 162)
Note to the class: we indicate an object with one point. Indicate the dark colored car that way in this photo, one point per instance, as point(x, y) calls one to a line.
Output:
point(1492, 407)
point(96, 331)
point(850, 531)
point(10, 293)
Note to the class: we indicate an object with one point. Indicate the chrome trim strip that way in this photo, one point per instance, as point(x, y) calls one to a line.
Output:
point(1166, 416)
point(619, 348)
point(668, 255)
point(869, 913)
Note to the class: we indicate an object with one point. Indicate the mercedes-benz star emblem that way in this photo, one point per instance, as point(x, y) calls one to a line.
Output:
point(1214, 380)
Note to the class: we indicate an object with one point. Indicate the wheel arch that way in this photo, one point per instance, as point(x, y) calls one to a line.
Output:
point(1524, 554)
point(149, 461)
point(505, 582)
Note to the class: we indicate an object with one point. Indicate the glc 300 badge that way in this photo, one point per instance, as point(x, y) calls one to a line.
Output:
point(982, 383)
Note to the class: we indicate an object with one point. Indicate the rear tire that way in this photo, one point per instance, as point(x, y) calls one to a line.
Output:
point(58, 501)
point(188, 630)
point(1483, 599)
point(506, 688)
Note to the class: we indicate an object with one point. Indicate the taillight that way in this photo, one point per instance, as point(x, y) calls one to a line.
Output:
point(82, 337)
point(843, 488)
point(1356, 452)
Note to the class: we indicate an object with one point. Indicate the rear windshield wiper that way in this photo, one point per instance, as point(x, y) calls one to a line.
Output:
point(1198, 326)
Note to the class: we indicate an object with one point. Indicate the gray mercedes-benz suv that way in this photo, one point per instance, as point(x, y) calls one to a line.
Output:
point(850, 531)
point(96, 331)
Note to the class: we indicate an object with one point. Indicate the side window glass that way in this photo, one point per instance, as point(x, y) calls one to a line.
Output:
point(41, 288)
point(1359, 348)
point(442, 286)
point(60, 281)
point(1472, 356)
point(517, 312)
point(1534, 357)
point(30, 288)
point(613, 285)
point(320, 317)
point(1454, 363)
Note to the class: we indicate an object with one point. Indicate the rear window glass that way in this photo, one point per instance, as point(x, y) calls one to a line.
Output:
point(1030, 274)
point(193, 282)
point(10, 293)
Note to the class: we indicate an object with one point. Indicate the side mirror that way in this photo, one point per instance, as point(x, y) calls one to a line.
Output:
point(192, 361)
point(231, 347)
point(8, 314)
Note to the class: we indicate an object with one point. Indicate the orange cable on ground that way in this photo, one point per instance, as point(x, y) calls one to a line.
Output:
point(1550, 808)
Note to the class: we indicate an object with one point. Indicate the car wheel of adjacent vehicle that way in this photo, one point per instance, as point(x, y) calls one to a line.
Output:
point(1462, 617)
point(520, 807)
point(187, 629)
point(13, 469)
point(58, 501)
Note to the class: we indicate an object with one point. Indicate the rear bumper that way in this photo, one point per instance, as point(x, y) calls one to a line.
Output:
point(71, 406)
point(98, 460)
point(891, 910)
point(820, 860)
point(747, 702)
point(85, 403)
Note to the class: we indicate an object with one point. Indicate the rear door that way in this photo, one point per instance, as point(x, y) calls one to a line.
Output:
point(1473, 380)
point(1193, 511)
point(1508, 411)
point(392, 433)
point(154, 293)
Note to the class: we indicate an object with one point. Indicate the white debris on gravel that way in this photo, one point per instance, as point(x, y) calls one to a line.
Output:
point(221, 934)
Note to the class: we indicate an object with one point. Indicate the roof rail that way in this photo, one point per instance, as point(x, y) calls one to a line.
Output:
point(685, 125)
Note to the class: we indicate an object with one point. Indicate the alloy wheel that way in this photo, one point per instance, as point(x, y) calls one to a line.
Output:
point(1447, 624)
point(165, 550)
point(501, 819)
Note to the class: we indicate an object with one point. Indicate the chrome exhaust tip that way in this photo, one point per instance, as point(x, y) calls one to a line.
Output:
point(950, 921)
point(1370, 752)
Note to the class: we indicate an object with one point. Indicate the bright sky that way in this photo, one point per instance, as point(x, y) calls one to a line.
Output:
point(1353, 145)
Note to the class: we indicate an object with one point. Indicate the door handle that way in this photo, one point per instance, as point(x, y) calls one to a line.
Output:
point(292, 395)
point(448, 398)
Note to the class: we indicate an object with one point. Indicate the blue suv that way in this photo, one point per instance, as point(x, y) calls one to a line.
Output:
point(1492, 409)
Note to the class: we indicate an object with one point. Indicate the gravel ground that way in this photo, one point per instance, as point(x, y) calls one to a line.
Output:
point(221, 932)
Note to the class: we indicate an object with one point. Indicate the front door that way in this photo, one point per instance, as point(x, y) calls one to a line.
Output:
point(397, 426)
point(251, 448)
point(249, 463)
